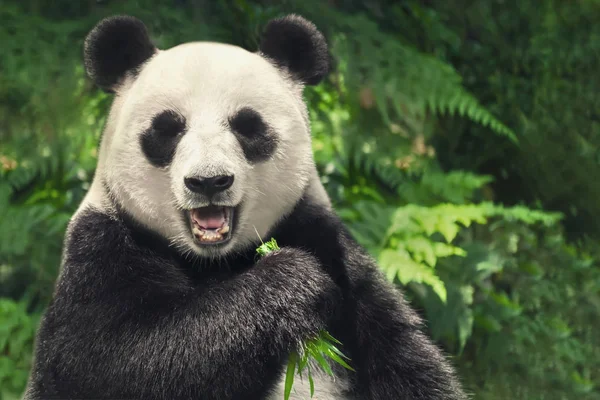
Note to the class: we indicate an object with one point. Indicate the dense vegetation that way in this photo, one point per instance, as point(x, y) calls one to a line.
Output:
point(458, 139)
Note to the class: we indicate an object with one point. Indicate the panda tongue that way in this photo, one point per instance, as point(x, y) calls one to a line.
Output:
point(209, 217)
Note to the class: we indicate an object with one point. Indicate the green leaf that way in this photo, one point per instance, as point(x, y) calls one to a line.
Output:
point(289, 375)
point(322, 362)
point(267, 248)
point(465, 328)
point(311, 383)
point(446, 250)
point(327, 336)
point(448, 229)
point(317, 349)
point(336, 351)
point(407, 270)
point(422, 249)
point(338, 359)
point(303, 362)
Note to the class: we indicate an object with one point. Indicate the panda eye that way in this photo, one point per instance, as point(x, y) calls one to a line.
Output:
point(168, 123)
point(248, 122)
point(258, 139)
point(160, 140)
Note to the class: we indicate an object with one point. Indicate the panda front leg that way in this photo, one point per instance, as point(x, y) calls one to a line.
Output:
point(152, 341)
point(392, 357)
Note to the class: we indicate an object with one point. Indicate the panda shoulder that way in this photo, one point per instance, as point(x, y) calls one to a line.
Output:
point(92, 237)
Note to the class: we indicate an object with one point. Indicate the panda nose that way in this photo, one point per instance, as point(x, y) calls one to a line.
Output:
point(209, 186)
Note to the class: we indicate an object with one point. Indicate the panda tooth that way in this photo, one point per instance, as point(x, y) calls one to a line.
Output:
point(212, 237)
point(224, 229)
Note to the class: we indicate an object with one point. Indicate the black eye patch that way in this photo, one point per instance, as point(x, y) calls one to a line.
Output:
point(160, 140)
point(257, 138)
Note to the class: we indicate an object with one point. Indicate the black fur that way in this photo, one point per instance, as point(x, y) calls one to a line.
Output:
point(296, 45)
point(160, 140)
point(128, 321)
point(258, 140)
point(115, 46)
point(132, 319)
point(393, 359)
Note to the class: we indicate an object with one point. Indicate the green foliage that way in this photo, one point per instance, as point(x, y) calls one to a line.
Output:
point(405, 84)
point(525, 293)
point(17, 331)
point(534, 64)
point(445, 136)
point(266, 248)
point(315, 351)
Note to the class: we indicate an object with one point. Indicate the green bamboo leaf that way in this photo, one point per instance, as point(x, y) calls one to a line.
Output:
point(303, 362)
point(322, 362)
point(337, 351)
point(338, 359)
point(289, 375)
point(267, 247)
point(311, 383)
point(328, 336)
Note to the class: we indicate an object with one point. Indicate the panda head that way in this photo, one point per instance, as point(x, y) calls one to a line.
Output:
point(206, 144)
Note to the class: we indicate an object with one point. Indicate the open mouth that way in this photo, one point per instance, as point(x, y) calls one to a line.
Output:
point(212, 224)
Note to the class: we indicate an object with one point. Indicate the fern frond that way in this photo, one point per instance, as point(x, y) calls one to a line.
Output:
point(406, 84)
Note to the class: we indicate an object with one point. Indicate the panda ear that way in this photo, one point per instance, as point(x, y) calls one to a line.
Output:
point(296, 45)
point(116, 46)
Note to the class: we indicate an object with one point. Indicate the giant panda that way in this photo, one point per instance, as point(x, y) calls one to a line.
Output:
point(206, 150)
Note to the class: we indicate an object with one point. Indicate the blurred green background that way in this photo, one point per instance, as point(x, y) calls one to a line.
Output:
point(458, 140)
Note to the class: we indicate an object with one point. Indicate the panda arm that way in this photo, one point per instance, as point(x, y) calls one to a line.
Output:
point(380, 332)
point(393, 358)
point(125, 324)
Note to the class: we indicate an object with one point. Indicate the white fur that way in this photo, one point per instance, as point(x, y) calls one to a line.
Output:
point(206, 83)
point(325, 386)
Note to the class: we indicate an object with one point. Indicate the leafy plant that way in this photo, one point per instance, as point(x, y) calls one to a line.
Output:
point(444, 135)
point(17, 332)
point(314, 351)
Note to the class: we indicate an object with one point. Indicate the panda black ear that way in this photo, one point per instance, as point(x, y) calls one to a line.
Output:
point(296, 45)
point(115, 46)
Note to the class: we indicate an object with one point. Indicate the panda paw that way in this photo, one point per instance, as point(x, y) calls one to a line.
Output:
point(310, 296)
